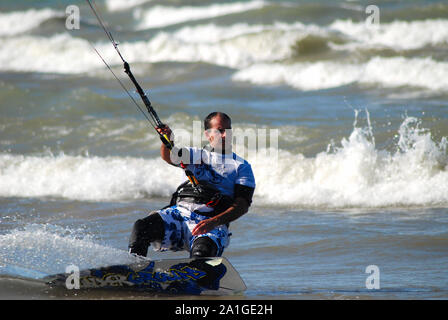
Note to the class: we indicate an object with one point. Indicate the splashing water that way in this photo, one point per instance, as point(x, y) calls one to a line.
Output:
point(357, 174)
point(49, 249)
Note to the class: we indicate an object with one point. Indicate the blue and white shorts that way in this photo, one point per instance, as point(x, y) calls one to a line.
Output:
point(179, 223)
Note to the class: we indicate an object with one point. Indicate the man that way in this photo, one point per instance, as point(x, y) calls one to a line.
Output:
point(197, 220)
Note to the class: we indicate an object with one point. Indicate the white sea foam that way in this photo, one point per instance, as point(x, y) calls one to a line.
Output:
point(161, 16)
point(401, 35)
point(85, 178)
point(119, 5)
point(13, 23)
point(59, 53)
point(304, 76)
point(385, 72)
point(353, 173)
point(235, 53)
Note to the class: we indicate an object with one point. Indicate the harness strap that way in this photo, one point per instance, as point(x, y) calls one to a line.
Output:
point(208, 195)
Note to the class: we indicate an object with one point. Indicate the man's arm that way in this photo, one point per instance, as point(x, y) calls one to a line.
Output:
point(235, 211)
point(241, 204)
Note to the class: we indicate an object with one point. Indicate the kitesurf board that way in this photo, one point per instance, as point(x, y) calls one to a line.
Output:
point(203, 276)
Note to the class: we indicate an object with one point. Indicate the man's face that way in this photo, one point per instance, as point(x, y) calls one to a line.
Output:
point(219, 135)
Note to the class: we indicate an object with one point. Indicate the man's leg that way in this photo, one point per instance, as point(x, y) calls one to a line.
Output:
point(203, 247)
point(145, 231)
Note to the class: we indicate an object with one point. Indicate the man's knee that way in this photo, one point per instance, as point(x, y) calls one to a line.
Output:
point(145, 231)
point(203, 247)
point(150, 226)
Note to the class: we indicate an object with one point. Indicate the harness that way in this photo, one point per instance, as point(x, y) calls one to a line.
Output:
point(206, 194)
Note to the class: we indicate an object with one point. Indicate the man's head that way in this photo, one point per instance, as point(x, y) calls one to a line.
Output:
point(218, 131)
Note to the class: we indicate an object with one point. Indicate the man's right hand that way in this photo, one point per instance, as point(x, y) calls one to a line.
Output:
point(165, 130)
point(165, 152)
point(166, 133)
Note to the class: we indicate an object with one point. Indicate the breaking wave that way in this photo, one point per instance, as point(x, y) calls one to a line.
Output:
point(353, 174)
point(17, 22)
point(162, 16)
point(385, 72)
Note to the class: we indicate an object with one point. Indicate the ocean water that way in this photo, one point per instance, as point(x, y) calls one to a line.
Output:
point(349, 115)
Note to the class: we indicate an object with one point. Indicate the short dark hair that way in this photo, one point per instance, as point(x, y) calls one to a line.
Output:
point(209, 118)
